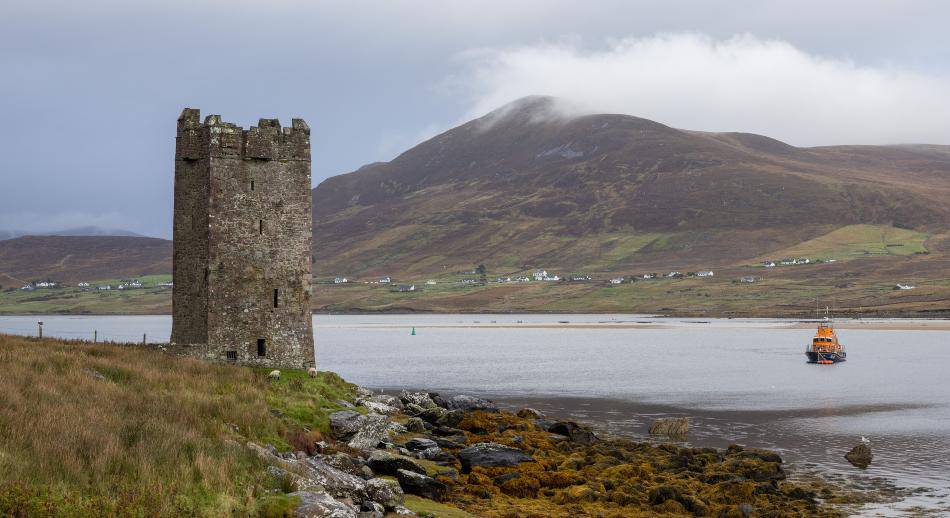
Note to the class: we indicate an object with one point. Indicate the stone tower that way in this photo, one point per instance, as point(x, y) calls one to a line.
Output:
point(243, 229)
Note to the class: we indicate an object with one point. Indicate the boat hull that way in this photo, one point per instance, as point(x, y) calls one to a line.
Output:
point(825, 357)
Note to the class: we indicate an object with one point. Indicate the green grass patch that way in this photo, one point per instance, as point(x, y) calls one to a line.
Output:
point(857, 241)
point(108, 430)
point(424, 507)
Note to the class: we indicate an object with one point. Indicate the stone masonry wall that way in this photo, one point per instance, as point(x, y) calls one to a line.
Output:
point(242, 241)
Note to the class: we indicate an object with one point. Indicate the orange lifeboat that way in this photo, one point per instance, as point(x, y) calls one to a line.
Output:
point(825, 349)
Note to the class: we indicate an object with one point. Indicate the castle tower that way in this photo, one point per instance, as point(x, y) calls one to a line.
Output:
point(242, 241)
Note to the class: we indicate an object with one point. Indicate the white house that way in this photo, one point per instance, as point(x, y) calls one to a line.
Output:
point(28, 287)
point(905, 286)
point(705, 274)
point(616, 280)
point(385, 280)
point(430, 282)
point(340, 280)
point(104, 287)
point(769, 264)
point(167, 284)
point(674, 274)
point(83, 285)
point(551, 278)
point(523, 279)
point(649, 276)
point(747, 279)
point(503, 279)
point(406, 288)
point(540, 275)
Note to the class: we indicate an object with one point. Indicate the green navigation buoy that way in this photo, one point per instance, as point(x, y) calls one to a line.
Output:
point(413, 333)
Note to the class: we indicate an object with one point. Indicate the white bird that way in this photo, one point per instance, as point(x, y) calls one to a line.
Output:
point(865, 440)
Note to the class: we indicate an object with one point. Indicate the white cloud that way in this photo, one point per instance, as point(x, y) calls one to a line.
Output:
point(743, 83)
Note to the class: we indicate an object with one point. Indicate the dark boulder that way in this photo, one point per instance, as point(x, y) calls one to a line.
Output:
point(439, 400)
point(344, 423)
point(860, 456)
point(453, 442)
point(451, 418)
point(446, 431)
point(422, 485)
point(573, 431)
point(432, 415)
point(416, 425)
point(471, 404)
point(491, 455)
point(385, 463)
point(420, 443)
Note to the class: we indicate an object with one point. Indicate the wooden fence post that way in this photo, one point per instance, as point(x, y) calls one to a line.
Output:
point(95, 335)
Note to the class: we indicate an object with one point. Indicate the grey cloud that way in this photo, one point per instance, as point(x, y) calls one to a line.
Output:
point(90, 90)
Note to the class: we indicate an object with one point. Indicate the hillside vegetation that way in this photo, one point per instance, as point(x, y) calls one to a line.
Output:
point(81, 258)
point(106, 430)
point(527, 186)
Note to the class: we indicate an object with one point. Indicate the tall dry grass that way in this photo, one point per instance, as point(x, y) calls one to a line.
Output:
point(124, 430)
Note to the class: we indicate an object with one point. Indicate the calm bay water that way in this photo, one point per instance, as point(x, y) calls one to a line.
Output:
point(742, 381)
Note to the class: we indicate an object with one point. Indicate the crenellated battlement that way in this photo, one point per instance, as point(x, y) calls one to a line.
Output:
point(215, 138)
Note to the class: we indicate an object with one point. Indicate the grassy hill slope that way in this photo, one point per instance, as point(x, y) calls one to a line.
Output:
point(81, 258)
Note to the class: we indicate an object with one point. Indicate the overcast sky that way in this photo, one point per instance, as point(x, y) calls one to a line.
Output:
point(89, 91)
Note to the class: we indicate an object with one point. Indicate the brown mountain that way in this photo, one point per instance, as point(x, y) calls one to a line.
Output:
point(526, 185)
point(77, 258)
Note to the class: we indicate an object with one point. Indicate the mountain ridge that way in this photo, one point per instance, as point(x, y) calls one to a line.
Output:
point(527, 170)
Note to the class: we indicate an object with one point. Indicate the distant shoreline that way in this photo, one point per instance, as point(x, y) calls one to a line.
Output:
point(871, 323)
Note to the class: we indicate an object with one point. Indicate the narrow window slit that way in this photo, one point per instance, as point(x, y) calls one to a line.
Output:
point(261, 347)
point(276, 295)
point(260, 226)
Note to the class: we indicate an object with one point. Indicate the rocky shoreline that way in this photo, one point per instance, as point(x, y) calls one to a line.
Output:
point(465, 453)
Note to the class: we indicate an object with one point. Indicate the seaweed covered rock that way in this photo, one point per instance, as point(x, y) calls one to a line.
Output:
point(860, 456)
point(490, 455)
point(670, 426)
point(530, 413)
